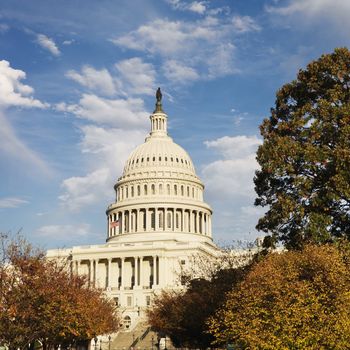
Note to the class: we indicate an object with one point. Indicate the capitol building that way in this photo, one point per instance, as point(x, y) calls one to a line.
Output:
point(158, 222)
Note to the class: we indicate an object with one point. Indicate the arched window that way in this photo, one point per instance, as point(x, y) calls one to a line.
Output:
point(169, 220)
point(177, 220)
point(145, 190)
point(182, 190)
point(168, 188)
point(138, 190)
point(132, 191)
point(153, 189)
point(188, 191)
point(175, 190)
point(126, 192)
point(160, 189)
point(193, 192)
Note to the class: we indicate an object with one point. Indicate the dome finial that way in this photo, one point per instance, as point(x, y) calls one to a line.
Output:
point(159, 101)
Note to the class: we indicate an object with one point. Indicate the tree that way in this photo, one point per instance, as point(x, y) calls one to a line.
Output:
point(40, 300)
point(182, 314)
point(305, 157)
point(290, 300)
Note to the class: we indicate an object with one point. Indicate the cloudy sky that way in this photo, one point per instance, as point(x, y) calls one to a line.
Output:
point(77, 84)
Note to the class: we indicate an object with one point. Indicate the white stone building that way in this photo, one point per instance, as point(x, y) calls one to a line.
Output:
point(157, 223)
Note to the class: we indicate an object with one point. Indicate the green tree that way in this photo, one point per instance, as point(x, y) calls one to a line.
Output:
point(40, 300)
point(291, 300)
point(305, 157)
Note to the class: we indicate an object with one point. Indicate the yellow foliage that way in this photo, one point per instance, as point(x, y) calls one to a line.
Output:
point(292, 300)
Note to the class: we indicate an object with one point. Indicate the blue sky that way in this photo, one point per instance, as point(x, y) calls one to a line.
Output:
point(77, 84)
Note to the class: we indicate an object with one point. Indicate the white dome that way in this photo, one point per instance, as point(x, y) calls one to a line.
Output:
point(160, 153)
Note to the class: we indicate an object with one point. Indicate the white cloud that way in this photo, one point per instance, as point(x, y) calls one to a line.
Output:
point(48, 44)
point(13, 92)
point(198, 7)
point(237, 147)
point(108, 150)
point(55, 231)
point(4, 28)
point(204, 47)
point(177, 72)
point(68, 42)
point(230, 187)
point(305, 13)
point(12, 202)
point(195, 6)
point(137, 76)
point(243, 24)
point(94, 79)
point(16, 150)
point(123, 113)
point(80, 191)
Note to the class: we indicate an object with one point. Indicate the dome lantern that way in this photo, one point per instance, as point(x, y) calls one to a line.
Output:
point(159, 118)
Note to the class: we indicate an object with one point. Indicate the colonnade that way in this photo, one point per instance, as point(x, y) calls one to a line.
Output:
point(159, 219)
point(125, 273)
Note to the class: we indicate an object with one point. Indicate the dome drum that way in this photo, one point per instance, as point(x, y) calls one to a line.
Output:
point(159, 194)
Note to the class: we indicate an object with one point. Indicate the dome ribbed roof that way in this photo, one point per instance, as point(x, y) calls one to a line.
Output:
point(160, 153)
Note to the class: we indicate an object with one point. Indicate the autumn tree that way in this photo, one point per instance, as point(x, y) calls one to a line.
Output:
point(305, 157)
point(290, 300)
point(182, 314)
point(40, 300)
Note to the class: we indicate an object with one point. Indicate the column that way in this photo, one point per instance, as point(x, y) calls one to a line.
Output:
point(96, 273)
point(136, 271)
point(141, 272)
point(183, 220)
point(202, 226)
point(148, 219)
point(109, 284)
point(156, 221)
point(122, 273)
point(91, 271)
point(138, 224)
point(122, 223)
point(154, 270)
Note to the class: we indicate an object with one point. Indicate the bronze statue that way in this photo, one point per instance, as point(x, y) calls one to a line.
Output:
point(159, 95)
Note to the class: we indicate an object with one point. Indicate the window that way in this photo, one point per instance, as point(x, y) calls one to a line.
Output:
point(132, 191)
point(148, 301)
point(168, 188)
point(141, 160)
point(154, 159)
point(126, 192)
point(160, 189)
point(182, 190)
point(183, 262)
point(177, 220)
point(129, 300)
point(175, 190)
point(127, 321)
point(116, 300)
point(145, 190)
point(138, 190)
point(188, 191)
point(160, 158)
point(153, 189)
